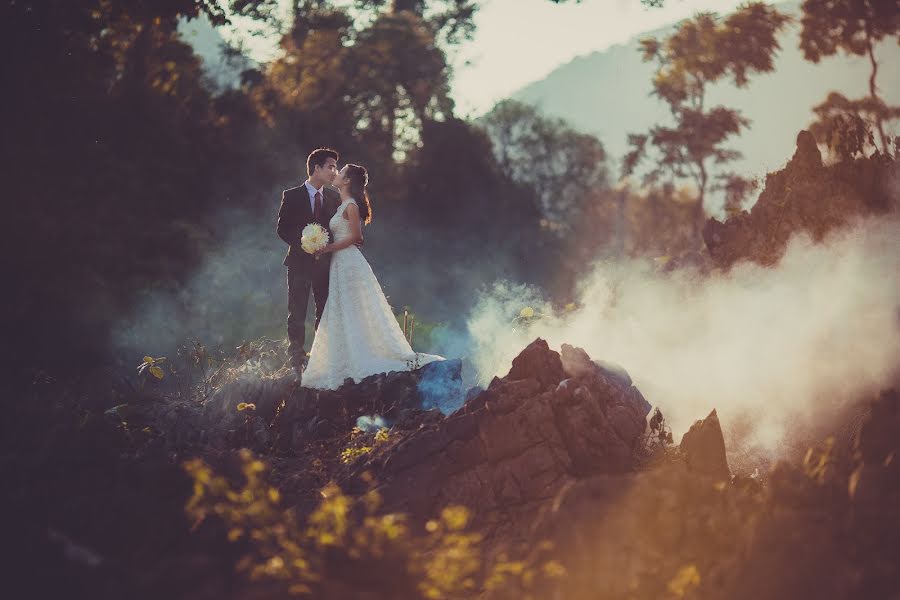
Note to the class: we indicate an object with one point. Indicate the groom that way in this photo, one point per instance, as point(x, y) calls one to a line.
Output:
point(311, 202)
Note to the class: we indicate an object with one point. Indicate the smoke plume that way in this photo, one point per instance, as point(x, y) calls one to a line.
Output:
point(774, 345)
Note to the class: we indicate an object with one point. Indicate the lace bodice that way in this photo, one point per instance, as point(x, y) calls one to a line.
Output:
point(340, 226)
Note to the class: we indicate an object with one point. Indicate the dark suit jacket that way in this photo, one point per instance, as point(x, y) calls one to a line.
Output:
point(295, 214)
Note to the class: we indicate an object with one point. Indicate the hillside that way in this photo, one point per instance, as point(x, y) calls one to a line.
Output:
point(607, 93)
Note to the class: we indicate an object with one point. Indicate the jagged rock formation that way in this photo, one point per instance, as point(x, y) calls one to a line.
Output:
point(510, 450)
point(805, 196)
point(287, 416)
point(816, 530)
point(703, 447)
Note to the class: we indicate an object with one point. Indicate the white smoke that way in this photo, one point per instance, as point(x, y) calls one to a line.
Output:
point(776, 344)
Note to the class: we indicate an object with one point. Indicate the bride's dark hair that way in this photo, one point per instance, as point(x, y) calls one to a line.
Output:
point(359, 179)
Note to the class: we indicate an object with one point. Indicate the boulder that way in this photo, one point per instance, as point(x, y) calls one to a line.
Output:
point(288, 416)
point(703, 447)
point(538, 362)
point(508, 450)
point(805, 196)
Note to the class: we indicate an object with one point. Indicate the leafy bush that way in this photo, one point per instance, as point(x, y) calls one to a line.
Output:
point(346, 542)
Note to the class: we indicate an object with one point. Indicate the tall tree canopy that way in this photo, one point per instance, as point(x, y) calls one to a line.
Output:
point(565, 167)
point(702, 51)
point(853, 27)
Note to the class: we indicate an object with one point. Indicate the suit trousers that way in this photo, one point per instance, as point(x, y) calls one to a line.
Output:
point(300, 281)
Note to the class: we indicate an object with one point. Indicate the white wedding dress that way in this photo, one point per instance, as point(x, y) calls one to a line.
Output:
point(358, 334)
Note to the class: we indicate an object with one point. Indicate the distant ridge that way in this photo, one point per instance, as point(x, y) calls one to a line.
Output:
point(607, 93)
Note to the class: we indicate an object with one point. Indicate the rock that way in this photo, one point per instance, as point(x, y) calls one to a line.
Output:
point(288, 416)
point(878, 437)
point(539, 362)
point(577, 363)
point(703, 447)
point(473, 392)
point(413, 418)
point(875, 482)
point(508, 451)
point(805, 196)
point(807, 156)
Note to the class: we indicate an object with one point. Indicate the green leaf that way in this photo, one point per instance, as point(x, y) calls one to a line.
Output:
point(157, 372)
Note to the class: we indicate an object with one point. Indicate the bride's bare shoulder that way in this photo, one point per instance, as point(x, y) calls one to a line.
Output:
point(352, 210)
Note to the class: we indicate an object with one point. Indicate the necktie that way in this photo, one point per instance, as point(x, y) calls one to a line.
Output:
point(317, 211)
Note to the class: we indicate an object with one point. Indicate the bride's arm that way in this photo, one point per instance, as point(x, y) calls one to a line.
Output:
point(352, 215)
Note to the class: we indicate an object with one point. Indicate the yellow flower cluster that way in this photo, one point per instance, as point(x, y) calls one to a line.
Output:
point(445, 562)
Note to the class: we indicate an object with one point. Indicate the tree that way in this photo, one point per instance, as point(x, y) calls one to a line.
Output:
point(845, 126)
point(113, 148)
point(853, 27)
point(648, 3)
point(564, 167)
point(702, 51)
point(375, 74)
point(451, 21)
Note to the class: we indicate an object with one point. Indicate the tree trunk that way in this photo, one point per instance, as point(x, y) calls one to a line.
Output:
point(699, 211)
point(879, 125)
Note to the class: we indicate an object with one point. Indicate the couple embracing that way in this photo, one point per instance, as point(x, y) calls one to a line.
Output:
point(357, 334)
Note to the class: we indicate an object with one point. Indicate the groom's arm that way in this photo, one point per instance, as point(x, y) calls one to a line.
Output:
point(288, 224)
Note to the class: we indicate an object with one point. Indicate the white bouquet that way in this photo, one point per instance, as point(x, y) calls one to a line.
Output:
point(313, 238)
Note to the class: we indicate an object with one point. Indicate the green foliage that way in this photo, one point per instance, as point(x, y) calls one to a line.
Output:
point(527, 316)
point(451, 20)
point(152, 367)
point(417, 330)
point(702, 51)
point(850, 26)
point(362, 444)
point(845, 126)
point(566, 168)
point(684, 580)
point(853, 27)
point(820, 462)
point(109, 110)
point(382, 436)
point(368, 80)
point(346, 542)
point(351, 453)
point(737, 189)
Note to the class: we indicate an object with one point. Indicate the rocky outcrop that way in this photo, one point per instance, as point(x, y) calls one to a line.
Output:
point(806, 196)
point(813, 530)
point(537, 362)
point(510, 449)
point(546, 455)
point(703, 448)
point(285, 416)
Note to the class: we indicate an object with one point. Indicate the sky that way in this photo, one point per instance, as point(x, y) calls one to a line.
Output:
point(520, 41)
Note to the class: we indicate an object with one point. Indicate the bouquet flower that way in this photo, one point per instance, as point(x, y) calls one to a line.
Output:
point(313, 238)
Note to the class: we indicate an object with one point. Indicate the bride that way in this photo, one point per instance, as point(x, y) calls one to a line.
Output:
point(358, 335)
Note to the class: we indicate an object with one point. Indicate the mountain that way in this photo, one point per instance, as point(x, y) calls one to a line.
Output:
point(607, 93)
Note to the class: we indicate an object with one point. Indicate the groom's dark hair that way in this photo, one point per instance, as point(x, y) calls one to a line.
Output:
point(318, 158)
